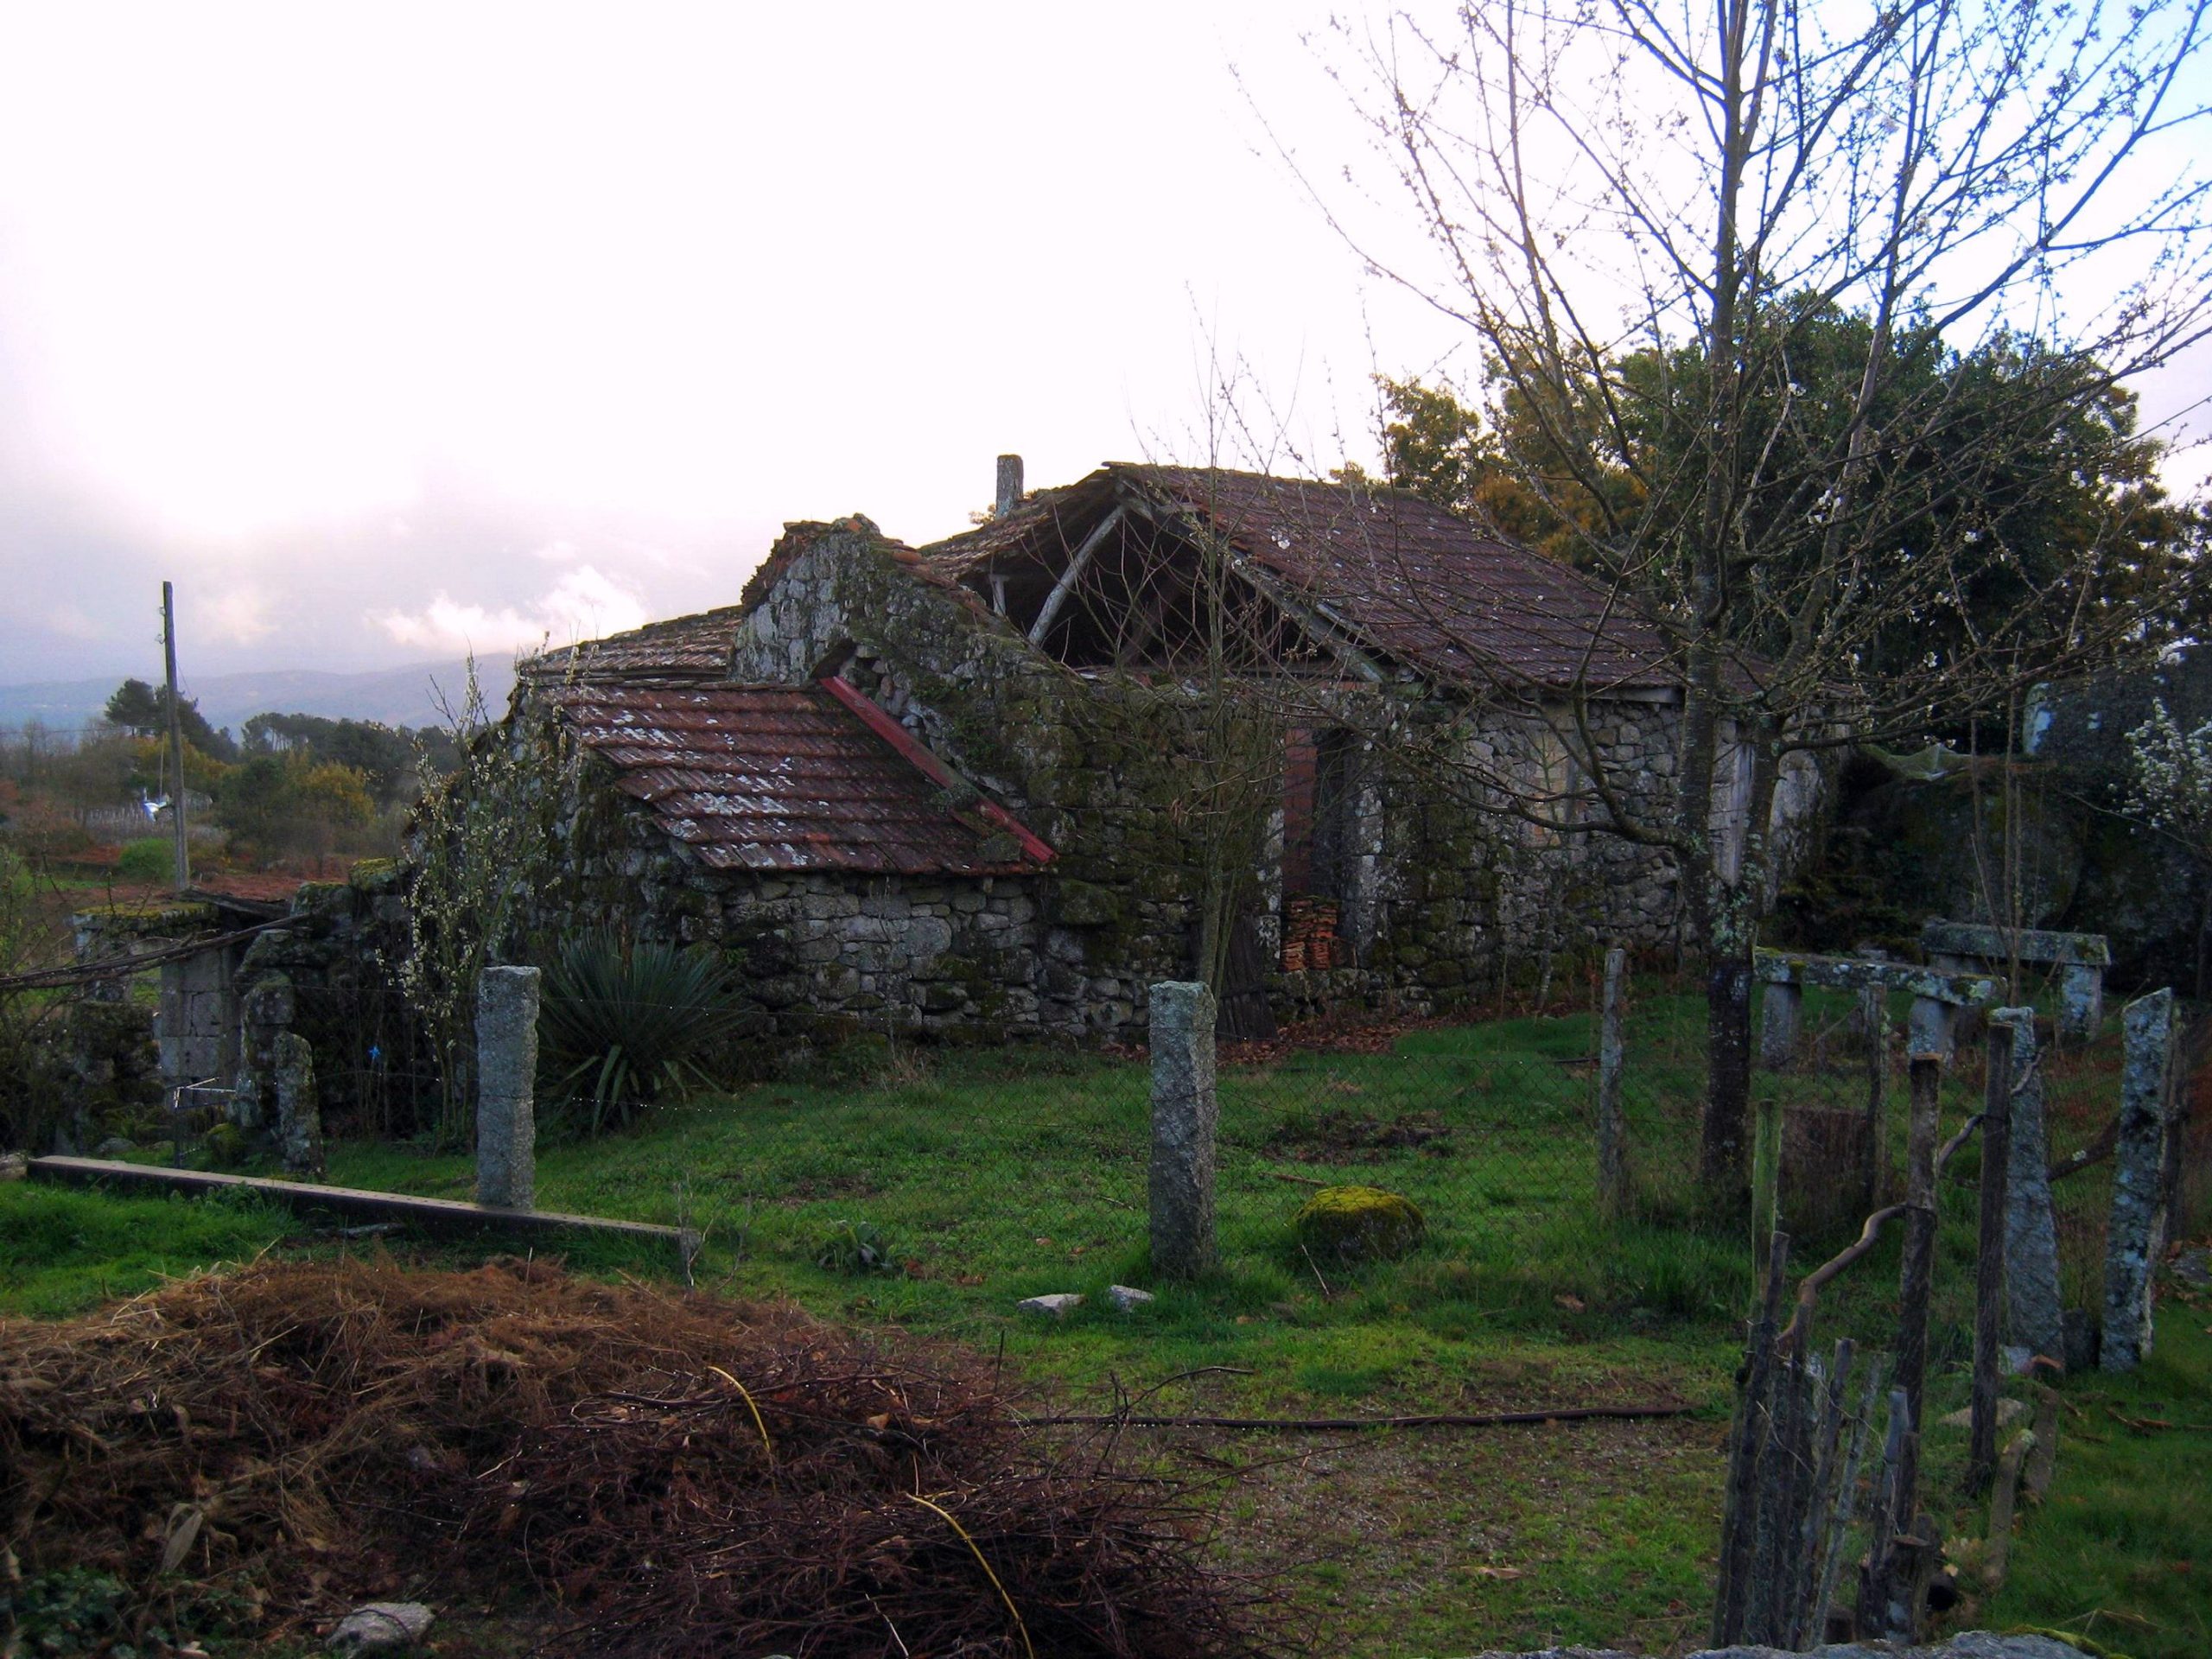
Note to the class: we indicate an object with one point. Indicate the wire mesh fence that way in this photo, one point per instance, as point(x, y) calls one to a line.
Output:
point(956, 1161)
point(953, 1159)
point(1841, 1105)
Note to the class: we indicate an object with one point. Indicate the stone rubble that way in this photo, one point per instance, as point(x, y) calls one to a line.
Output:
point(377, 1627)
point(1057, 1305)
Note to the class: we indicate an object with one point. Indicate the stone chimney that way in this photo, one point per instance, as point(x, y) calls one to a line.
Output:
point(1009, 485)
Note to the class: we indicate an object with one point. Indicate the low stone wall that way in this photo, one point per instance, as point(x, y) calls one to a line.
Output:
point(336, 955)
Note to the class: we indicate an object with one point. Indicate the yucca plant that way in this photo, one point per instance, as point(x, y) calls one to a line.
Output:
point(622, 1019)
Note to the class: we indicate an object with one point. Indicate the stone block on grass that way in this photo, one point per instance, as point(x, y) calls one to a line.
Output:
point(1359, 1224)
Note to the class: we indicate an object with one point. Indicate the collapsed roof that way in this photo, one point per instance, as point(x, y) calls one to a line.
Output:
point(1101, 572)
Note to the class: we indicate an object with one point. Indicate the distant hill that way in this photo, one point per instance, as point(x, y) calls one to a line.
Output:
point(396, 697)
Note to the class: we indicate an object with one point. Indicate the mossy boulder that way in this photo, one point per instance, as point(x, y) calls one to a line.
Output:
point(1359, 1224)
point(1087, 904)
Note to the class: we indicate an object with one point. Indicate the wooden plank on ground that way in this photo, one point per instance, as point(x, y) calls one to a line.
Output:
point(443, 1214)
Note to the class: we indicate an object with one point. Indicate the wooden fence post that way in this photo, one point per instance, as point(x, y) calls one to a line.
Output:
point(1613, 1131)
point(1875, 1017)
point(1878, 1612)
point(1740, 1520)
point(1844, 1494)
point(1919, 1265)
point(1889, 1557)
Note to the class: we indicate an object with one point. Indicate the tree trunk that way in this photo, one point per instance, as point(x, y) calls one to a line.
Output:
point(1734, 904)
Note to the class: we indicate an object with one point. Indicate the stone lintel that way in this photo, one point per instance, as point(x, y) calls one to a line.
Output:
point(1853, 973)
point(1987, 943)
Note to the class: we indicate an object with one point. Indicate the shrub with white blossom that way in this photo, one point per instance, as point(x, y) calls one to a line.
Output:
point(2170, 779)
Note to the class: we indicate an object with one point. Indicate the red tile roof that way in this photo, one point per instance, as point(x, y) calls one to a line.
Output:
point(776, 778)
point(1398, 574)
point(683, 647)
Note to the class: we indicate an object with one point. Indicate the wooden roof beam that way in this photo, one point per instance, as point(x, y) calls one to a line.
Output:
point(1058, 597)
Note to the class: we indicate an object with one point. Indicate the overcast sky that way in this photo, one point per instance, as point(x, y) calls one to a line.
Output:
point(389, 330)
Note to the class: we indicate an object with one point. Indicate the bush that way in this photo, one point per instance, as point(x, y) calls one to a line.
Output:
point(149, 858)
point(624, 1021)
point(1359, 1224)
point(857, 1248)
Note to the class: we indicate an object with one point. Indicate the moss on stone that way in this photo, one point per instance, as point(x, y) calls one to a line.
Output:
point(1087, 904)
point(1359, 1224)
point(151, 916)
point(374, 875)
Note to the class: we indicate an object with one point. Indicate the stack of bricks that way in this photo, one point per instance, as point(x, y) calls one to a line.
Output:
point(1309, 934)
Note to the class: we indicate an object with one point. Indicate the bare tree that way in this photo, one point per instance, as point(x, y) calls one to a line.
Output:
point(1772, 301)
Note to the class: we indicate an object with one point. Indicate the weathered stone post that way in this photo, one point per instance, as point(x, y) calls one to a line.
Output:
point(1184, 1117)
point(1613, 1131)
point(265, 1011)
point(1928, 1029)
point(299, 1106)
point(2034, 1318)
point(1779, 1015)
point(276, 1090)
point(1989, 1260)
point(506, 1067)
point(2136, 1234)
point(2081, 1000)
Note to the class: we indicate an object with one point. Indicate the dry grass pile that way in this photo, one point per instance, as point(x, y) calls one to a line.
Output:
point(658, 1474)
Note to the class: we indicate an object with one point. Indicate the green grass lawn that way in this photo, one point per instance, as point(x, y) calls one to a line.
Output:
point(987, 1176)
point(2120, 1551)
point(64, 1251)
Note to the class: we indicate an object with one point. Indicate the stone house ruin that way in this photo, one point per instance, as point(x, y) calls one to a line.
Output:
point(1000, 784)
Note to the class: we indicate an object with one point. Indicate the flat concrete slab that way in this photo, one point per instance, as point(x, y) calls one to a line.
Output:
point(439, 1214)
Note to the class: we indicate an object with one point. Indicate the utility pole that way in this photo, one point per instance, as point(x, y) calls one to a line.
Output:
point(176, 740)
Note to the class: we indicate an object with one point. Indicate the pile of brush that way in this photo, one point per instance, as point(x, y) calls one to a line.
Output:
point(655, 1474)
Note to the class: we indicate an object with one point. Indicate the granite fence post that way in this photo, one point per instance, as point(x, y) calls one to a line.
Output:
point(2135, 1236)
point(266, 1010)
point(2034, 1315)
point(299, 1107)
point(1184, 1118)
point(506, 1067)
point(1929, 1028)
point(1989, 1260)
point(1779, 1015)
point(2081, 1000)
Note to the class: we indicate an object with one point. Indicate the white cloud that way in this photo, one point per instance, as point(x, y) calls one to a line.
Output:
point(237, 617)
point(583, 605)
point(71, 622)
